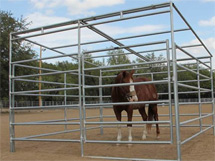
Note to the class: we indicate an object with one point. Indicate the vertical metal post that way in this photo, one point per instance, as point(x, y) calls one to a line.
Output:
point(199, 96)
point(40, 72)
point(212, 95)
point(175, 84)
point(152, 76)
point(79, 83)
point(100, 101)
point(83, 96)
point(65, 99)
point(169, 91)
point(11, 118)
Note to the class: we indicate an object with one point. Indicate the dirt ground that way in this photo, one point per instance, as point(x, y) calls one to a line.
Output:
point(200, 148)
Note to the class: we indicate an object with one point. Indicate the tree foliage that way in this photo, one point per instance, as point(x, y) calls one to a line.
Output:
point(9, 24)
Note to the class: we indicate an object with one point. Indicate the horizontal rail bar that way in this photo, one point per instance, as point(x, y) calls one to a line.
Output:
point(193, 71)
point(121, 38)
point(127, 122)
point(46, 95)
point(132, 159)
point(161, 5)
point(38, 68)
point(127, 142)
point(37, 81)
point(47, 123)
point(96, 23)
point(178, 47)
point(161, 115)
point(126, 84)
point(126, 46)
point(194, 103)
point(127, 103)
point(197, 134)
point(51, 57)
point(195, 119)
point(44, 140)
point(45, 107)
point(49, 134)
point(45, 90)
point(124, 65)
point(145, 51)
point(192, 87)
point(45, 74)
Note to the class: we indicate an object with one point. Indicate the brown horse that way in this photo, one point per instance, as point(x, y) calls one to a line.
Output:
point(144, 92)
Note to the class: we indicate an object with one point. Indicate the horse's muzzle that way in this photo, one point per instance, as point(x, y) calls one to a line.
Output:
point(132, 96)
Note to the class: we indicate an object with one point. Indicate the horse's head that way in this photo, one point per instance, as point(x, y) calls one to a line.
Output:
point(127, 92)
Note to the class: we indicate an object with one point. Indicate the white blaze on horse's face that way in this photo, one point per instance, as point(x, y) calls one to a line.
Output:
point(132, 89)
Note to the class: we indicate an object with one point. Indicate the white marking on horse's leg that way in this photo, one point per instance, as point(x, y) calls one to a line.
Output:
point(129, 134)
point(144, 132)
point(119, 136)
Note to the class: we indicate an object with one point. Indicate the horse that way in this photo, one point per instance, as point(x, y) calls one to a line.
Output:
point(143, 92)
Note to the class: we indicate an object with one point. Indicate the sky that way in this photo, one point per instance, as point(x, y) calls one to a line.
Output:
point(199, 13)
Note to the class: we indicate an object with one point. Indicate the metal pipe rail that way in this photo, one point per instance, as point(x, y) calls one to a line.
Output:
point(197, 134)
point(46, 107)
point(38, 68)
point(195, 119)
point(92, 24)
point(193, 87)
point(45, 95)
point(45, 90)
point(161, 5)
point(47, 123)
point(126, 103)
point(177, 47)
point(126, 84)
point(191, 29)
point(184, 59)
point(125, 46)
point(121, 38)
point(50, 134)
point(51, 57)
point(145, 51)
point(193, 71)
point(123, 65)
point(47, 82)
point(127, 122)
point(48, 140)
point(127, 142)
point(45, 74)
point(194, 103)
point(132, 159)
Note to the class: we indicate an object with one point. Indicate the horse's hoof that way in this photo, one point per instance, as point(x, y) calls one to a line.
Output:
point(158, 136)
point(143, 137)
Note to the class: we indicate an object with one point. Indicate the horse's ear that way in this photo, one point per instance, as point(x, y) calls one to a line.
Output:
point(132, 72)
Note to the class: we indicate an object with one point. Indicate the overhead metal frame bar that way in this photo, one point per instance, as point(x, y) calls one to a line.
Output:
point(161, 5)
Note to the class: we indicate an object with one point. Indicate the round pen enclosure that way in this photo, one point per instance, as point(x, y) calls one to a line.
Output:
point(90, 54)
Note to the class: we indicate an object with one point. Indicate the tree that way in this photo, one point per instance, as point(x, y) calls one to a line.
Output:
point(22, 51)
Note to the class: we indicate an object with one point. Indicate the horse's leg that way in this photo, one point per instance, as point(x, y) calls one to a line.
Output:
point(154, 110)
point(150, 117)
point(130, 114)
point(144, 116)
point(118, 114)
